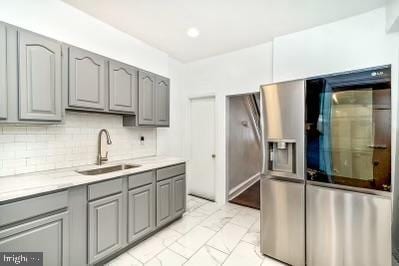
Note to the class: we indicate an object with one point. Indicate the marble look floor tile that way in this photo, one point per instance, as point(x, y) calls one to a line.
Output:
point(244, 254)
point(229, 228)
point(209, 208)
point(168, 236)
point(124, 260)
point(167, 258)
point(271, 262)
point(244, 220)
point(253, 234)
point(252, 212)
point(188, 222)
point(147, 249)
point(217, 220)
point(227, 238)
point(207, 256)
point(193, 203)
point(192, 241)
point(252, 238)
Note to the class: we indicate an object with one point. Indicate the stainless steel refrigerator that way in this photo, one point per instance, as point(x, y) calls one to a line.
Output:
point(283, 181)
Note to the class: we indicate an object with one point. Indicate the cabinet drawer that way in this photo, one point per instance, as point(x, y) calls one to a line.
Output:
point(171, 171)
point(24, 209)
point(141, 179)
point(105, 188)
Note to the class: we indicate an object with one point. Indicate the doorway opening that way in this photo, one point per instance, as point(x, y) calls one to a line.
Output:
point(244, 149)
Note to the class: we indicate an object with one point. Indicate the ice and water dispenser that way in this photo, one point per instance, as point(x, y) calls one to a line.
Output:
point(282, 156)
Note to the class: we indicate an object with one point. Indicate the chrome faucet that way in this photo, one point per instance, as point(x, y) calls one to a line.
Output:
point(100, 158)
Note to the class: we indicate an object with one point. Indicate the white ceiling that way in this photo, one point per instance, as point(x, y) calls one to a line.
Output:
point(224, 25)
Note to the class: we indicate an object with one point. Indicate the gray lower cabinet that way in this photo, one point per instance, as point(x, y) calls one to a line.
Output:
point(105, 227)
point(162, 101)
point(48, 235)
point(3, 71)
point(141, 212)
point(39, 63)
point(86, 79)
point(123, 85)
point(165, 211)
point(146, 99)
point(179, 195)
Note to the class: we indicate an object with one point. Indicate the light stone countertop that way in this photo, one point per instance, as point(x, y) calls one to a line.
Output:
point(24, 185)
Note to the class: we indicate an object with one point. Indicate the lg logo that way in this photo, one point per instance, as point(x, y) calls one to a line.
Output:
point(377, 73)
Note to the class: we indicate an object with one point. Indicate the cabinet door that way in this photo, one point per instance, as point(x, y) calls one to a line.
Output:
point(86, 79)
point(162, 101)
point(146, 98)
point(164, 202)
point(105, 227)
point(123, 85)
point(48, 235)
point(39, 78)
point(179, 195)
point(3, 71)
point(141, 212)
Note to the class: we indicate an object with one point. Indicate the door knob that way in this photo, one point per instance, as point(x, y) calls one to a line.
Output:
point(213, 155)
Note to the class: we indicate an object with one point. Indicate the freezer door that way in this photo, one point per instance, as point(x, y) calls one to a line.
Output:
point(283, 220)
point(346, 228)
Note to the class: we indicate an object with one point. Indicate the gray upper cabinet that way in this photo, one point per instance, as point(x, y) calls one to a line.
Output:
point(86, 80)
point(162, 101)
point(39, 62)
point(105, 227)
point(179, 195)
point(146, 98)
point(48, 235)
point(3, 71)
point(123, 85)
point(141, 212)
point(165, 211)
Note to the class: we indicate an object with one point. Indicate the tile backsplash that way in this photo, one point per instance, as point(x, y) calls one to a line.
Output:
point(29, 148)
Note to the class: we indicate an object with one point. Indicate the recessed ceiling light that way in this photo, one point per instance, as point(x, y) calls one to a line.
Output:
point(193, 32)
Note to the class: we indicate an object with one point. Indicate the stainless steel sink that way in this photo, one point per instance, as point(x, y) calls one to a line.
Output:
point(109, 169)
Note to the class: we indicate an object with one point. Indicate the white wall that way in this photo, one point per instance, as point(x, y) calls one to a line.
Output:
point(170, 140)
point(233, 73)
point(58, 20)
point(353, 43)
point(392, 15)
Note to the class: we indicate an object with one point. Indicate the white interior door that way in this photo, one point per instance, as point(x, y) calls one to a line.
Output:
point(201, 178)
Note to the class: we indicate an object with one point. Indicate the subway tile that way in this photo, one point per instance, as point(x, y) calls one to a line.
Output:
point(73, 143)
point(14, 130)
point(7, 138)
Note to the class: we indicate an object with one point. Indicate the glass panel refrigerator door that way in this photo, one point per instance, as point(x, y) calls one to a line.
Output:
point(348, 128)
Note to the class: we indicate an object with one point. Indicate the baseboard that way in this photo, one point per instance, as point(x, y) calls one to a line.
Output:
point(237, 190)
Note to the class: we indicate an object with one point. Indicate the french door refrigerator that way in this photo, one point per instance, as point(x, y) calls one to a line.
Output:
point(283, 182)
point(348, 169)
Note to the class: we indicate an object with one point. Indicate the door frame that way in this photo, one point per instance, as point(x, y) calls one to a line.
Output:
point(226, 140)
point(190, 98)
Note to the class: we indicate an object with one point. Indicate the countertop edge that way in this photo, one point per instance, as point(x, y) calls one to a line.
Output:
point(25, 193)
